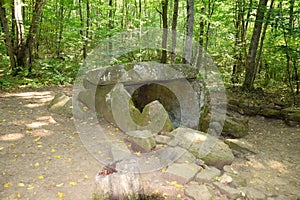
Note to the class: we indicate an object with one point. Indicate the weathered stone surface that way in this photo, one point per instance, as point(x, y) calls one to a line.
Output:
point(232, 193)
point(253, 193)
point(120, 151)
point(278, 197)
point(203, 146)
point(144, 71)
point(162, 139)
point(155, 118)
point(270, 113)
point(219, 155)
point(198, 192)
point(207, 175)
point(181, 172)
point(187, 157)
point(225, 179)
point(61, 104)
point(142, 141)
point(292, 114)
point(235, 127)
point(117, 185)
point(240, 145)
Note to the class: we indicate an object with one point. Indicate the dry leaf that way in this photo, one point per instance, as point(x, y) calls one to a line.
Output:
point(41, 177)
point(21, 184)
point(30, 187)
point(37, 139)
point(53, 150)
point(57, 157)
point(73, 183)
point(37, 164)
point(6, 185)
point(60, 195)
point(59, 185)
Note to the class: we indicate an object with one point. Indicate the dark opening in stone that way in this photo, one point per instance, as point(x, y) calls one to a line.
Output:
point(151, 92)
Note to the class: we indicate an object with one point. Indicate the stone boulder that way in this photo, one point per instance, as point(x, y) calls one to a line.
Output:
point(235, 127)
point(142, 141)
point(203, 146)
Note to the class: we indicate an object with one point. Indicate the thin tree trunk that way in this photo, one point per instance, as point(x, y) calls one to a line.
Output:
point(251, 58)
point(165, 31)
point(60, 28)
point(8, 38)
point(262, 39)
point(189, 31)
point(174, 31)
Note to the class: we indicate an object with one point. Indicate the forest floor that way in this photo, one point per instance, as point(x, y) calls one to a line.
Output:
point(42, 156)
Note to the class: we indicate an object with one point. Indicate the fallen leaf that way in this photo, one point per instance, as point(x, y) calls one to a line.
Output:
point(60, 195)
point(53, 150)
point(37, 164)
point(73, 183)
point(57, 157)
point(7, 185)
point(30, 187)
point(37, 139)
point(86, 177)
point(21, 184)
point(41, 177)
point(1, 148)
point(59, 185)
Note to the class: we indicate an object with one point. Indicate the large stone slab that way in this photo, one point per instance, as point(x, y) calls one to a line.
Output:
point(236, 127)
point(181, 172)
point(232, 193)
point(241, 146)
point(198, 192)
point(142, 141)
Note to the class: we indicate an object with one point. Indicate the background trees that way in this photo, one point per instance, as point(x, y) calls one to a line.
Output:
point(255, 43)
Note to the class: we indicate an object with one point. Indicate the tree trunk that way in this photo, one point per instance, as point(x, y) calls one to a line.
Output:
point(165, 31)
point(262, 39)
point(8, 38)
point(251, 57)
point(174, 31)
point(201, 40)
point(189, 31)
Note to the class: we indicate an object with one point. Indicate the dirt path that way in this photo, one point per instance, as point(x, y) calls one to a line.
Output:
point(42, 157)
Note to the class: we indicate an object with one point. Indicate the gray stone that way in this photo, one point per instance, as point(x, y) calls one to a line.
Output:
point(181, 172)
point(240, 145)
point(270, 113)
point(207, 175)
point(253, 193)
point(232, 193)
point(278, 197)
point(198, 192)
point(120, 151)
point(61, 104)
point(187, 157)
point(142, 141)
point(236, 127)
point(219, 155)
point(162, 139)
point(203, 146)
point(225, 179)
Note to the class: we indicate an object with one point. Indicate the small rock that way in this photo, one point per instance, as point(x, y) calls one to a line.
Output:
point(232, 193)
point(225, 178)
point(181, 172)
point(240, 145)
point(253, 193)
point(142, 141)
point(207, 175)
point(198, 192)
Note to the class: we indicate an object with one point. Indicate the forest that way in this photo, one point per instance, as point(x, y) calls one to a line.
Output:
point(54, 136)
point(255, 44)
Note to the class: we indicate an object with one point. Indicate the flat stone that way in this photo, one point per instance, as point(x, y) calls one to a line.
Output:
point(181, 172)
point(61, 104)
point(225, 178)
point(187, 157)
point(142, 141)
point(120, 152)
point(207, 175)
point(278, 197)
point(198, 192)
point(232, 193)
point(162, 139)
point(240, 145)
point(253, 193)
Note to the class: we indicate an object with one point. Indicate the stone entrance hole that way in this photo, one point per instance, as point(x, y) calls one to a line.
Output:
point(150, 92)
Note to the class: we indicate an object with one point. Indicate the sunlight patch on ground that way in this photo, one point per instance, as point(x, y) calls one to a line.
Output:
point(277, 165)
point(34, 105)
point(41, 121)
point(11, 137)
point(256, 164)
point(41, 132)
point(45, 95)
